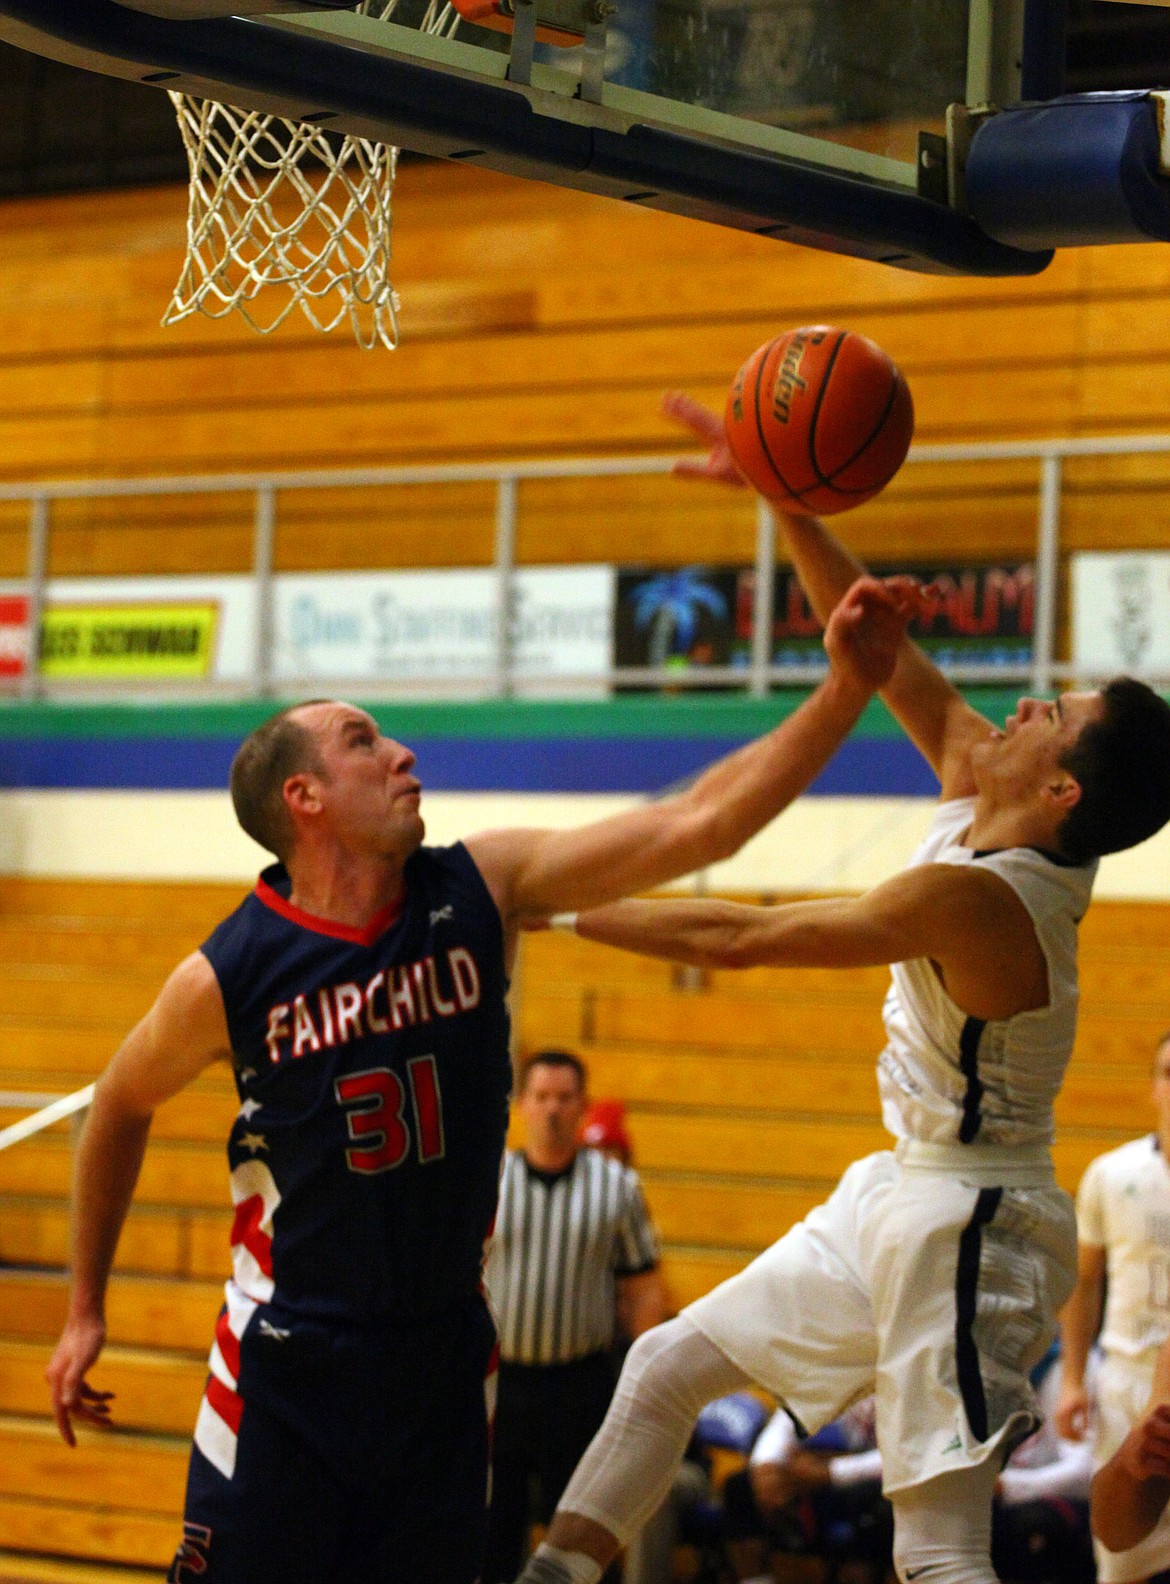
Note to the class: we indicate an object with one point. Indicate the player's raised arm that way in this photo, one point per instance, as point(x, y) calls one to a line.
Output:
point(532, 872)
point(184, 1032)
point(1131, 1490)
point(934, 714)
point(968, 921)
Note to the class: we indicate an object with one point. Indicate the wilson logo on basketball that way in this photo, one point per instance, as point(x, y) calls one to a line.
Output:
point(788, 381)
point(737, 397)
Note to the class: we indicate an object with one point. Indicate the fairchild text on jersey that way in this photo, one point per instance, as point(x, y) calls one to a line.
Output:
point(396, 997)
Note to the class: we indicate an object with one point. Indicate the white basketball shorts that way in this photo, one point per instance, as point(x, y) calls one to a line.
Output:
point(936, 1293)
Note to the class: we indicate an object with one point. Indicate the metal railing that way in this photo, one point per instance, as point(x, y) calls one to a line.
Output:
point(52, 1108)
point(1040, 674)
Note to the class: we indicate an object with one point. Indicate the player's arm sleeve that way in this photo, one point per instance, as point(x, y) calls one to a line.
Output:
point(1067, 1477)
point(856, 1468)
point(636, 1245)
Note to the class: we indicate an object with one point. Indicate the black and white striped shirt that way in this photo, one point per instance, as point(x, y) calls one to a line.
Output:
point(560, 1241)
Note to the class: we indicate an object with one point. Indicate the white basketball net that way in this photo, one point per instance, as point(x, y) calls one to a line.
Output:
point(280, 204)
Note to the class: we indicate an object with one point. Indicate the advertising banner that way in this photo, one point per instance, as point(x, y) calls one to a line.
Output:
point(412, 626)
point(377, 626)
point(142, 642)
point(1121, 610)
point(146, 629)
point(703, 616)
point(13, 635)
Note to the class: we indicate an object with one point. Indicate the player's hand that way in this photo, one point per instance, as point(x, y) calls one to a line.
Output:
point(1072, 1411)
point(809, 1471)
point(708, 426)
point(73, 1397)
point(867, 626)
point(771, 1486)
point(1145, 1452)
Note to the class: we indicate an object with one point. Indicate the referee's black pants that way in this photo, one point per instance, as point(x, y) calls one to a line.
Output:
point(546, 1415)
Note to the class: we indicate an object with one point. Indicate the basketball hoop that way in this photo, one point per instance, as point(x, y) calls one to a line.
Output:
point(287, 209)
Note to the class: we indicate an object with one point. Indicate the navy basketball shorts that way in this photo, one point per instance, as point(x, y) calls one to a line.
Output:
point(359, 1455)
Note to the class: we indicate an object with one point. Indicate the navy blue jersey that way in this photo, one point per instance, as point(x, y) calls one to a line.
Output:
point(374, 1074)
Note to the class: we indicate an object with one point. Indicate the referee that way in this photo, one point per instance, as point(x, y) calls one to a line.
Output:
point(574, 1259)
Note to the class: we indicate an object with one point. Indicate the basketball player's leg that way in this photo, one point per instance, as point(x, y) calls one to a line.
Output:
point(430, 1493)
point(942, 1528)
point(271, 1512)
point(670, 1374)
point(796, 1321)
point(965, 1283)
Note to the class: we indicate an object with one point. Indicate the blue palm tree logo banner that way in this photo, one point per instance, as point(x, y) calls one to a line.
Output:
point(678, 618)
point(700, 616)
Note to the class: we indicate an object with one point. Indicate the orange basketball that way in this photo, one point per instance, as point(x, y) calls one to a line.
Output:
point(819, 419)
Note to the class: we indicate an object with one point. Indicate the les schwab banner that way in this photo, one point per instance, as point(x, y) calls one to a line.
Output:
point(140, 642)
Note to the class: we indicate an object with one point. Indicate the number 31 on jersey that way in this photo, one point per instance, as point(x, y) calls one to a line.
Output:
point(375, 1105)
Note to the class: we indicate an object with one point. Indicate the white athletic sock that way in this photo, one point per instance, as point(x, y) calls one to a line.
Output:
point(549, 1565)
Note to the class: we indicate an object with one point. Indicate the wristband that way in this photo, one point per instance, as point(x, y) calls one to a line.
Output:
point(564, 921)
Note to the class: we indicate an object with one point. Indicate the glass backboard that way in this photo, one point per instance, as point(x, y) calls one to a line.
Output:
point(800, 119)
point(808, 78)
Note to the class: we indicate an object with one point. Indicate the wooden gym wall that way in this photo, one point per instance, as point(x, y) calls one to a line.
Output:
point(542, 322)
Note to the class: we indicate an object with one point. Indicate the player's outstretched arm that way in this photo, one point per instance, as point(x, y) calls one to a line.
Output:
point(533, 872)
point(969, 921)
point(1131, 1490)
point(934, 714)
point(1079, 1322)
point(184, 1031)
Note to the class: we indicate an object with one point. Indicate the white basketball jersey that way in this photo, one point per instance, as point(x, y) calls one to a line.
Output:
point(1123, 1206)
point(945, 1077)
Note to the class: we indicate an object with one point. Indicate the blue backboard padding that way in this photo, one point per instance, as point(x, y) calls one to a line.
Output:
point(864, 766)
point(1078, 171)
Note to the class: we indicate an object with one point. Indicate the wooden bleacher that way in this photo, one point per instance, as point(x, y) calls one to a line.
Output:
point(80, 964)
point(747, 1095)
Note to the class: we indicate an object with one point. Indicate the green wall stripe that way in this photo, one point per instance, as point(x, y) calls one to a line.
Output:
point(643, 715)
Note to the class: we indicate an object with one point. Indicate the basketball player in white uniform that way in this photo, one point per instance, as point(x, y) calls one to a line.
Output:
point(933, 1274)
point(1131, 1490)
point(1123, 1233)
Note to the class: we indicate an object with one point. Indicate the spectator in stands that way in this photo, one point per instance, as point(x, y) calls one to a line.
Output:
point(823, 1495)
point(814, 1495)
point(1040, 1524)
point(573, 1251)
point(604, 1128)
point(1123, 1236)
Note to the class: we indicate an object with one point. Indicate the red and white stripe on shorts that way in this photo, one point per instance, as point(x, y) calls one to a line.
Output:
point(256, 1197)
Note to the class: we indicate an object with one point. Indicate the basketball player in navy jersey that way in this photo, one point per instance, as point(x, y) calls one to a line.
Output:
point(359, 993)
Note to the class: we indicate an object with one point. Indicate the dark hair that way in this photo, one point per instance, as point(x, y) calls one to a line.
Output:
point(1122, 765)
point(554, 1058)
point(263, 763)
